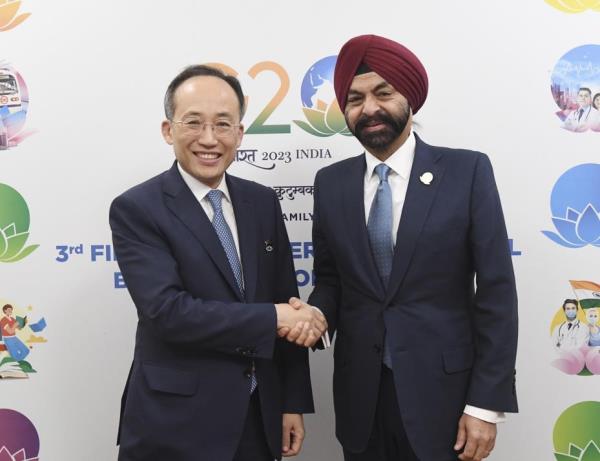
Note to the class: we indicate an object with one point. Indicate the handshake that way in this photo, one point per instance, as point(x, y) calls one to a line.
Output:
point(301, 323)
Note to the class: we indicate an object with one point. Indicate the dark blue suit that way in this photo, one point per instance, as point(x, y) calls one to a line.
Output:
point(197, 337)
point(451, 345)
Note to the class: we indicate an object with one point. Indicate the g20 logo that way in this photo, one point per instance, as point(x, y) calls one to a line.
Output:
point(320, 107)
point(575, 203)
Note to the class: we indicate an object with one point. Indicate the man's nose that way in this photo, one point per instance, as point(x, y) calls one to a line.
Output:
point(206, 136)
point(370, 106)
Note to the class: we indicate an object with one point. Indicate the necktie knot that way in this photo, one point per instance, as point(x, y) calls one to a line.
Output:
point(214, 197)
point(382, 171)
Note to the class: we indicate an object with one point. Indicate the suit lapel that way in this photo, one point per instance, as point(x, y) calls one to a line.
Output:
point(417, 203)
point(246, 221)
point(356, 227)
point(180, 200)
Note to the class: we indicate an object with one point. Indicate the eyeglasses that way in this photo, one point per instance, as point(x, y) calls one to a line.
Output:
point(195, 127)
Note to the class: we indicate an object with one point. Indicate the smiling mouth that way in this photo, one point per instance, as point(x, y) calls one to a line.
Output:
point(207, 155)
point(372, 126)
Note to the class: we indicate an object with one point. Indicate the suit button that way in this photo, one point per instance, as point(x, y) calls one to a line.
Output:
point(248, 373)
point(377, 348)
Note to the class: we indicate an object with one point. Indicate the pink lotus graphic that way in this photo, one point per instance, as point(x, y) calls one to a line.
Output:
point(19, 439)
point(576, 361)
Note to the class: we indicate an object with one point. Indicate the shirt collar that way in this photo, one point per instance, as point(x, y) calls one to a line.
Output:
point(400, 161)
point(199, 189)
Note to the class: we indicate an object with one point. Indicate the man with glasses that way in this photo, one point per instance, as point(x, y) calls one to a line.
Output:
point(205, 256)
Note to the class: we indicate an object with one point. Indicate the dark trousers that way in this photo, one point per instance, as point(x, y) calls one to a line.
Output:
point(388, 441)
point(253, 445)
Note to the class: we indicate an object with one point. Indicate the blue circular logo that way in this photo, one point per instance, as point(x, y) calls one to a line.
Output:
point(318, 82)
point(575, 203)
point(320, 106)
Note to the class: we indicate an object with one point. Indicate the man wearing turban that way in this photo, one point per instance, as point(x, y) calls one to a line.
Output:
point(424, 361)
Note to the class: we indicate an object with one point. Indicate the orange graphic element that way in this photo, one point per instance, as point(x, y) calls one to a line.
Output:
point(8, 14)
point(36, 339)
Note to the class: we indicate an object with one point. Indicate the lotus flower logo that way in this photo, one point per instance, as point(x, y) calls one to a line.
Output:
point(575, 6)
point(575, 203)
point(576, 436)
point(321, 108)
point(19, 440)
point(14, 226)
point(8, 15)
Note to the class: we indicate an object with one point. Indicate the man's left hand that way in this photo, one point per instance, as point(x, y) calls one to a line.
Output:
point(476, 436)
point(293, 434)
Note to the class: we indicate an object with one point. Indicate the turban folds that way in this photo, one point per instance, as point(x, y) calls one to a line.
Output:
point(393, 62)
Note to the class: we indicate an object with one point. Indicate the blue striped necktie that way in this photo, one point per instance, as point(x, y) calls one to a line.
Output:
point(380, 228)
point(226, 237)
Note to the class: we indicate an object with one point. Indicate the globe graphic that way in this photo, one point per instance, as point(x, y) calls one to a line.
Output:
point(318, 83)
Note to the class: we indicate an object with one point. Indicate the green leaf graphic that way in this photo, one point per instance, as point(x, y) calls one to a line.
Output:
point(26, 367)
point(7, 360)
point(26, 252)
point(574, 450)
point(309, 129)
point(334, 117)
point(15, 245)
point(317, 120)
point(591, 453)
point(563, 457)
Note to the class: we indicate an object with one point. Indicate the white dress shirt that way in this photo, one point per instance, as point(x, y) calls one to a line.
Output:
point(200, 191)
point(400, 163)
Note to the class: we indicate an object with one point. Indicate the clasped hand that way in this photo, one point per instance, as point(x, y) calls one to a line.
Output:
point(300, 323)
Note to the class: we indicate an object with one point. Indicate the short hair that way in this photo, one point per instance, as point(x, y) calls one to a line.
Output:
point(200, 70)
point(583, 88)
point(597, 95)
point(6, 307)
point(570, 301)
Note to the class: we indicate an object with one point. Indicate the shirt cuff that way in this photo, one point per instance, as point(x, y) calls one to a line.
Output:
point(485, 415)
point(325, 336)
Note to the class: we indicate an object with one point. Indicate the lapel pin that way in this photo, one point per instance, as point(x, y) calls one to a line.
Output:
point(426, 178)
point(268, 246)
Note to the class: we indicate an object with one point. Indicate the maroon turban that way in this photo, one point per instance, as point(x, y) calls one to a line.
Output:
point(392, 61)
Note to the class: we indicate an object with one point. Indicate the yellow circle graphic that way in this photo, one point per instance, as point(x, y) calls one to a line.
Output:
point(575, 6)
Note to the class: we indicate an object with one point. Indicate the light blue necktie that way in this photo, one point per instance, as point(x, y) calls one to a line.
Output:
point(224, 233)
point(380, 228)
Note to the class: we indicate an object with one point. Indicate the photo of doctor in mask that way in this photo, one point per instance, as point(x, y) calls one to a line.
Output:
point(570, 334)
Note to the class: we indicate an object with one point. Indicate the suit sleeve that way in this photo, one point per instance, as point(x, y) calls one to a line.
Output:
point(294, 367)
point(494, 311)
point(151, 274)
point(326, 294)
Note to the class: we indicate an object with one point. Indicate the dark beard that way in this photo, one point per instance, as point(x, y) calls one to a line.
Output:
point(384, 137)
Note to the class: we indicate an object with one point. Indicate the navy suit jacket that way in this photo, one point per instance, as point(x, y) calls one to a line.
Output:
point(451, 345)
point(197, 337)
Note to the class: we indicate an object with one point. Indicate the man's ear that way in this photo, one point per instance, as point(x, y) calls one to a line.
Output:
point(166, 128)
point(240, 135)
